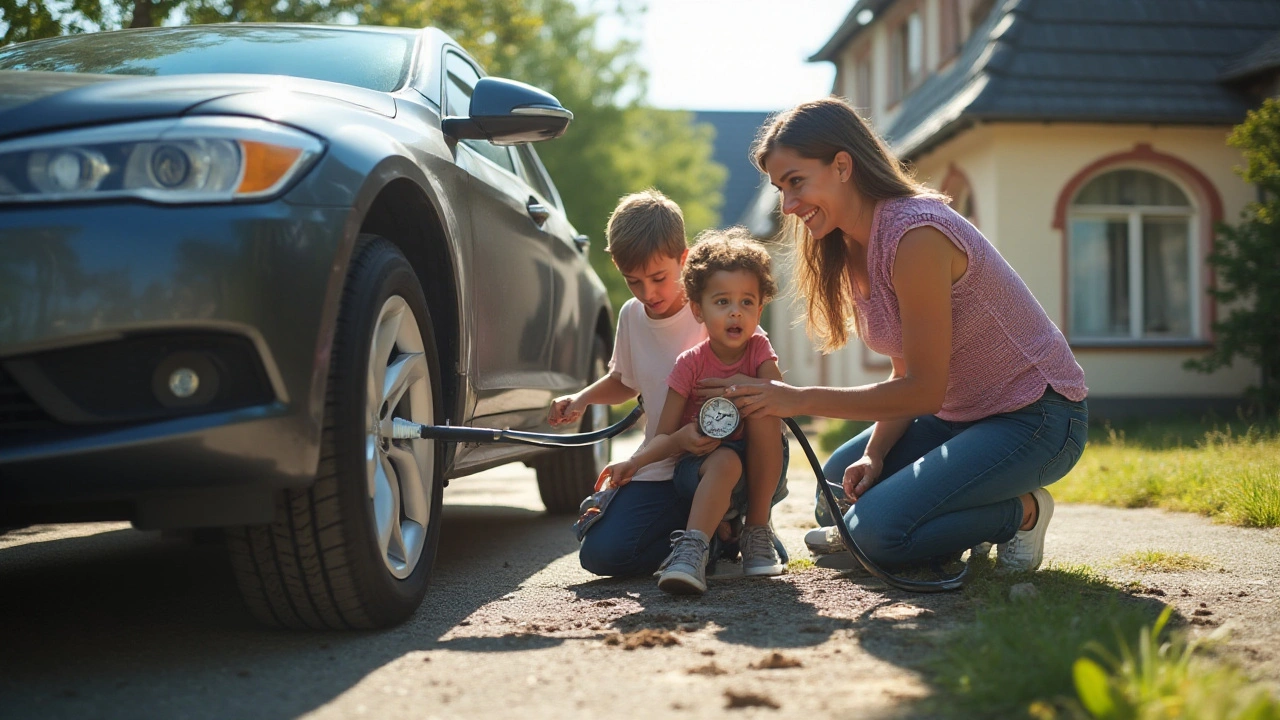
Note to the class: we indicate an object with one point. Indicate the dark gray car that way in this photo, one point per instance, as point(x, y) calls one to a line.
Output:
point(230, 254)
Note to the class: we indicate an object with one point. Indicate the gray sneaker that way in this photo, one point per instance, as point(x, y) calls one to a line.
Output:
point(824, 540)
point(684, 572)
point(758, 554)
point(1025, 551)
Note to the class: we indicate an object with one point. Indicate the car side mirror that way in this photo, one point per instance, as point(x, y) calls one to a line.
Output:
point(507, 112)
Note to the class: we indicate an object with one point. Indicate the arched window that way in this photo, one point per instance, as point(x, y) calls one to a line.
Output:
point(1132, 255)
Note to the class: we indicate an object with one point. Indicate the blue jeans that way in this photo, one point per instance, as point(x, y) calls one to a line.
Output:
point(634, 536)
point(686, 476)
point(947, 486)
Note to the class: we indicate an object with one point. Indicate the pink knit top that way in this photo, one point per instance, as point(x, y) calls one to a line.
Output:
point(1004, 349)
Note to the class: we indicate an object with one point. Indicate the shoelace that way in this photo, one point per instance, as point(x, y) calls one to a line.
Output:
point(756, 542)
point(685, 548)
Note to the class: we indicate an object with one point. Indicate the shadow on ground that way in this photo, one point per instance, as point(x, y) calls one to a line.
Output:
point(127, 624)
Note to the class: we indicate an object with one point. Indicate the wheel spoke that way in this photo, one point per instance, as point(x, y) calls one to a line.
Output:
point(414, 499)
point(386, 503)
point(407, 369)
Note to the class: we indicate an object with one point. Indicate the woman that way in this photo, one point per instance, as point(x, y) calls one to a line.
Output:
point(985, 404)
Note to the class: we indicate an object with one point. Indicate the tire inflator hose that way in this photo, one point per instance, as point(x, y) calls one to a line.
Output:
point(405, 429)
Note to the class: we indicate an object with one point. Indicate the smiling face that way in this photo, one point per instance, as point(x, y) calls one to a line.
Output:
point(816, 192)
point(730, 307)
point(657, 285)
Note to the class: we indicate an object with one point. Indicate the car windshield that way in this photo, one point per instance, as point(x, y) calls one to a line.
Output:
point(374, 59)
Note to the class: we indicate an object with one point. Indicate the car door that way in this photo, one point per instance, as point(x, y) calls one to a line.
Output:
point(513, 294)
point(570, 339)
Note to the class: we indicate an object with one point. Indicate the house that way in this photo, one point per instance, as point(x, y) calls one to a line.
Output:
point(1086, 140)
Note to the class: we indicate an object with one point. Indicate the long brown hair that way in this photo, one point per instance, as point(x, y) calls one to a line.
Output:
point(819, 130)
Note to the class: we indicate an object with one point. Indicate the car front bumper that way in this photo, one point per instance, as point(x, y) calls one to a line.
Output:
point(100, 306)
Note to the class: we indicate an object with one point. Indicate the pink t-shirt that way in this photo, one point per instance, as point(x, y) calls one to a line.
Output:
point(1004, 349)
point(700, 362)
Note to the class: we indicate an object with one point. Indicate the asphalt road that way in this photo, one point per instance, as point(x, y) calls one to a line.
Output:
point(100, 621)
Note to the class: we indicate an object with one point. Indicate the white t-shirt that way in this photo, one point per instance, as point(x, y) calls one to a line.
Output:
point(644, 353)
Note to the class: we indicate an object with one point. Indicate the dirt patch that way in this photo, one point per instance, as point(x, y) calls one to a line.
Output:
point(647, 637)
point(776, 661)
point(739, 700)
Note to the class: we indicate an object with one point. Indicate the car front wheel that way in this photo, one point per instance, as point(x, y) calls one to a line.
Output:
point(356, 549)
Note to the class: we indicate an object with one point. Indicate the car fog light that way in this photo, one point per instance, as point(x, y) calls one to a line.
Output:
point(184, 382)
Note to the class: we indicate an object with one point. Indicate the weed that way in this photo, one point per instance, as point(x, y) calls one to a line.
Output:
point(1160, 561)
point(798, 565)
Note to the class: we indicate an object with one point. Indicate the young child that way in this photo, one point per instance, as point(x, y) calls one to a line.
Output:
point(728, 282)
point(647, 243)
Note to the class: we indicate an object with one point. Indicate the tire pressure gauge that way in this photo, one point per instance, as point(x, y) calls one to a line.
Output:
point(718, 418)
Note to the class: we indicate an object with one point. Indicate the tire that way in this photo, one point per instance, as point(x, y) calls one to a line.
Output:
point(355, 550)
point(567, 476)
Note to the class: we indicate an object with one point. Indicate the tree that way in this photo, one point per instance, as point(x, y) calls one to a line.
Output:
point(34, 19)
point(1247, 260)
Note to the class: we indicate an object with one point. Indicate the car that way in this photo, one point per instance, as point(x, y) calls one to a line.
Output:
point(231, 255)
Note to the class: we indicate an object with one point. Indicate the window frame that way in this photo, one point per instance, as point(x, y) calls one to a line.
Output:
point(902, 81)
point(1133, 215)
point(452, 54)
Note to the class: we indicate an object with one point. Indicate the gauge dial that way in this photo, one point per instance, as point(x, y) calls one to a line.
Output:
point(718, 418)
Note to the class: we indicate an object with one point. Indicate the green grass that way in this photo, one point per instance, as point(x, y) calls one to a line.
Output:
point(798, 565)
point(1160, 561)
point(1228, 470)
point(1013, 653)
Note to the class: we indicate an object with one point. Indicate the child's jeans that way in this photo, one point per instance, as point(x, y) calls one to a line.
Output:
point(947, 486)
point(687, 480)
point(634, 536)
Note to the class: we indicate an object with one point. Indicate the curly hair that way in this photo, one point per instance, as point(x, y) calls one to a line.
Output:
point(731, 249)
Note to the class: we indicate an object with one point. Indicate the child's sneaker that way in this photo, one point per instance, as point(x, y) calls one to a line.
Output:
point(684, 572)
point(824, 540)
point(759, 556)
point(1026, 550)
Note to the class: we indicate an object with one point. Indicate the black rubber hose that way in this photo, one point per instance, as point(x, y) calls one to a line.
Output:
point(955, 582)
point(451, 433)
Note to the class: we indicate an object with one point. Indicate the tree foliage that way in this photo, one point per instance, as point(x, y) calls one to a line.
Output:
point(614, 146)
point(1246, 258)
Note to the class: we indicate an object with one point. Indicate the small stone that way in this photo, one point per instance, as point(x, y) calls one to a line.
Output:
point(1024, 591)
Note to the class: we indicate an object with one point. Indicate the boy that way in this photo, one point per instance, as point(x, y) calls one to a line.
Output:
point(727, 281)
point(646, 241)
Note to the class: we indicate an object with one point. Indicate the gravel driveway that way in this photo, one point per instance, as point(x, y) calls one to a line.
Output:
point(100, 621)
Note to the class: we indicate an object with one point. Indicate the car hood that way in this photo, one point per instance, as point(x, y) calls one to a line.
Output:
point(43, 101)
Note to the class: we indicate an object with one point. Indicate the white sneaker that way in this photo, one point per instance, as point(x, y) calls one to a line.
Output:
point(980, 550)
point(758, 554)
point(1026, 550)
point(684, 572)
point(824, 540)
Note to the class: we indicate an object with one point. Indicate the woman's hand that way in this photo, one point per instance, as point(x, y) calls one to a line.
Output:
point(758, 398)
point(616, 474)
point(693, 442)
point(715, 387)
point(565, 409)
point(861, 476)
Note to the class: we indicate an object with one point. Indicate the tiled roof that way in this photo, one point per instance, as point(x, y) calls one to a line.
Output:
point(734, 133)
point(1260, 59)
point(1089, 61)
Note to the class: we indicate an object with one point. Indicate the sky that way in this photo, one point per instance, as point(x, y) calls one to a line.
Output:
point(734, 54)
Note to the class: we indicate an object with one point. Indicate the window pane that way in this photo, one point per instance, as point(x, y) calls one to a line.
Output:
point(915, 48)
point(1166, 277)
point(1099, 277)
point(1131, 187)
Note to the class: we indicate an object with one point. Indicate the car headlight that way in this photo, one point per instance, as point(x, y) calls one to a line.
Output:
point(213, 159)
